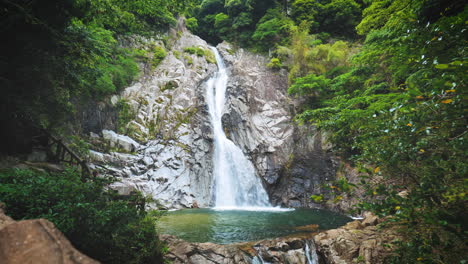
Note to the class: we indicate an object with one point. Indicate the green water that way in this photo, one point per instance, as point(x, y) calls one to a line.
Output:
point(225, 227)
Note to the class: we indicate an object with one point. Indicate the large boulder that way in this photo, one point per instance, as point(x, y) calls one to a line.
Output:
point(356, 242)
point(36, 241)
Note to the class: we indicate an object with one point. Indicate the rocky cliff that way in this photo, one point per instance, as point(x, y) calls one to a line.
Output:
point(167, 149)
point(293, 161)
point(166, 152)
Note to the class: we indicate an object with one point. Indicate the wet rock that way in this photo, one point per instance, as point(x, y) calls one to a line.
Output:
point(275, 251)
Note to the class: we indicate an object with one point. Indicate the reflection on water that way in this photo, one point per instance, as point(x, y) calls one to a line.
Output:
point(224, 227)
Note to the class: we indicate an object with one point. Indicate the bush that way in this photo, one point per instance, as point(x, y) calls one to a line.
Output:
point(192, 24)
point(191, 50)
point(95, 220)
point(275, 63)
point(158, 55)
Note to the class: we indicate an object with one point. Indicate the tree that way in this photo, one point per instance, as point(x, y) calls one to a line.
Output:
point(273, 29)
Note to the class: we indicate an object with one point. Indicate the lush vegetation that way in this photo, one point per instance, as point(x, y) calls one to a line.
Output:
point(397, 109)
point(387, 78)
point(262, 24)
point(56, 54)
point(98, 222)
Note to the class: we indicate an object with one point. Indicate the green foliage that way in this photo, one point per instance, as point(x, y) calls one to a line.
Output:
point(309, 85)
point(73, 53)
point(273, 28)
point(317, 198)
point(191, 50)
point(159, 53)
point(96, 221)
point(192, 24)
point(400, 106)
point(188, 59)
point(200, 52)
point(338, 17)
point(210, 57)
point(275, 63)
point(78, 145)
point(169, 86)
point(233, 20)
point(125, 115)
point(222, 24)
point(306, 10)
point(378, 13)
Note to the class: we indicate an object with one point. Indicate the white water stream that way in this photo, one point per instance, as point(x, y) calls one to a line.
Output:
point(235, 183)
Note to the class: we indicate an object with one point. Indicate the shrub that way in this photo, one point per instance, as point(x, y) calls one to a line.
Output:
point(191, 50)
point(158, 55)
point(192, 24)
point(275, 63)
point(94, 219)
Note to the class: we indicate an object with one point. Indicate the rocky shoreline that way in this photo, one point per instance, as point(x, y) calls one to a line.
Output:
point(359, 241)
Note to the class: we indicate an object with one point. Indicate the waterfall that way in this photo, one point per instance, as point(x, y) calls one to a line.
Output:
point(311, 253)
point(235, 183)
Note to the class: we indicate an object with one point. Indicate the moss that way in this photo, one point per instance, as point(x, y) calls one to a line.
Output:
point(188, 59)
point(125, 115)
point(200, 52)
point(210, 57)
point(169, 86)
point(176, 54)
point(191, 50)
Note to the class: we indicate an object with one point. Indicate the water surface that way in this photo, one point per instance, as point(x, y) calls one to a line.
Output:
point(231, 226)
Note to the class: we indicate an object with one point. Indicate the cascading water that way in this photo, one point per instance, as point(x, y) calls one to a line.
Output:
point(311, 253)
point(235, 183)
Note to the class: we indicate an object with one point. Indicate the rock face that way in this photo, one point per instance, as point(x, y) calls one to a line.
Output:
point(172, 160)
point(293, 161)
point(116, 140)
point(290, 250)
point(356, 242)
point(36, 242)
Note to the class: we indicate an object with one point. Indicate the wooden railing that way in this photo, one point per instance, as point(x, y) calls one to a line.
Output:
point(61, 153)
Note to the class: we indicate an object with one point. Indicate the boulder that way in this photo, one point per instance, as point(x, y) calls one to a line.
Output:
point(292, 250)
point(36, 241)
point(121, 141)
point(356, 241)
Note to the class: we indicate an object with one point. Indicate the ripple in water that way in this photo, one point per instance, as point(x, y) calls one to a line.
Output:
point(231, 226)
